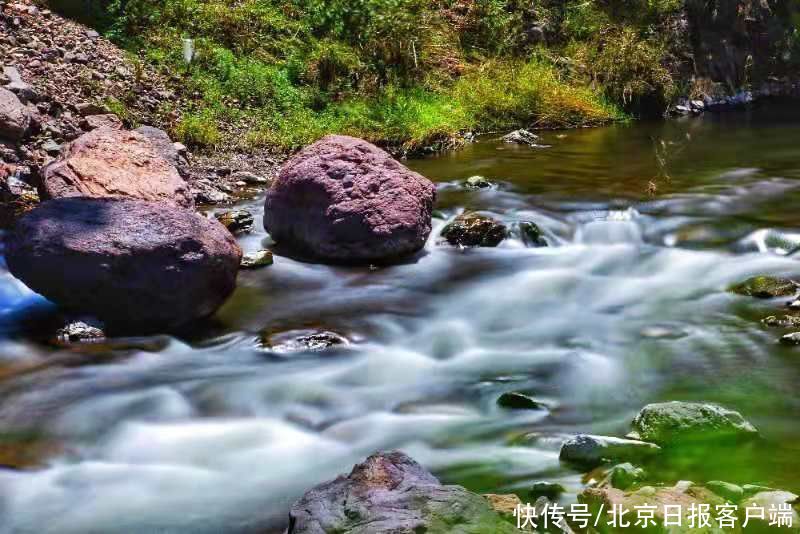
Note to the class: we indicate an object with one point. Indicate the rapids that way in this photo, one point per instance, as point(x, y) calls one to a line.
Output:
point(208, 433)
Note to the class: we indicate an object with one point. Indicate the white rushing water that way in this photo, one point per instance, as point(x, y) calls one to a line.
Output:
point(222, 437)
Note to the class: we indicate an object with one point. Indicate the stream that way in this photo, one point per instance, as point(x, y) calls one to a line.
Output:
point(209, 432)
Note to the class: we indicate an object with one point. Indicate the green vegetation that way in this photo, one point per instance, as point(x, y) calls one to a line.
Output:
point(405, 73)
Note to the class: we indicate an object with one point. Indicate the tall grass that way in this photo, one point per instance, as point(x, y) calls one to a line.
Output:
point(404, 73)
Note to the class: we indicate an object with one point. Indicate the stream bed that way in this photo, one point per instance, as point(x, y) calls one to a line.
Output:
point(648, 224)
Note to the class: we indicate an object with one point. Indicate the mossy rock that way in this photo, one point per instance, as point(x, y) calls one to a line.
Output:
point(765, 287)
point(682, 423)
point(475, 230)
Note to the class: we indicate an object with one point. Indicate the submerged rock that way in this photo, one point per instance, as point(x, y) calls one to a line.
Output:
point(478, 182)
point(236, 221)
point(390, 492)
point(257, 259)
point(134, 265)
point(474, 230)
point(345, 200)
point(686, 496)
point(531, 234)
point(765, 287)
point(84, 330)
point(114, 163)
point(591, 451)
point(791, 339)
point(514, 400)
point(521, 137)
point(676, 423)
point(785, 321)
point(303, 340)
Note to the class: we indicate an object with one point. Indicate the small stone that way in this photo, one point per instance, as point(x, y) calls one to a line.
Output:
point(303, 340)
point(765, 287)
point(474, 230)
point(521, 137)
point(256, 260)
point(623, 476)
point(531, 234)
point(15, 118)
point(478, 182)
point(514, 400)
point(92, 34)
point(551, 490)
point(785, 321)
point(729, 492)
point(236, 221)
point(249, 178)
point(87, 330)
point(792, 339)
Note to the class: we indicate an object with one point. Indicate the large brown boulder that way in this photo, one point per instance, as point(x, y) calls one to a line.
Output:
point(15, 119)
point(345, 200)
point(109, 162)
point(136, 265)
point(390, 492)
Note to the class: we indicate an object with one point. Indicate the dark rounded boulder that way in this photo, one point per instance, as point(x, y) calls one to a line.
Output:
point(345, 200)
point(135, 265)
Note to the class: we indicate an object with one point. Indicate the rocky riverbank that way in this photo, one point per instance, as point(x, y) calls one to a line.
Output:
point(61, 80)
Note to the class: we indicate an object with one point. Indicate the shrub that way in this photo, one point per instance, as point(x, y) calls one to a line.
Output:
point(629, 68)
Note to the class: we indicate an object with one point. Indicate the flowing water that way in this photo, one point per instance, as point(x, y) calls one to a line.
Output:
point(211, 433)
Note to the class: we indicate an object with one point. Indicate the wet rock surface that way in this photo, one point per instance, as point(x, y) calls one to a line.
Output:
point(676, 423)
point(514, 400)
point(135, 265)
point(765, 287)
point(82, 330)
point(474, 230)
point(303, 340)
point(792, 339)
point(531, 234)
point(390, 492)
point(108, 162)
point(784, 321)
point(236, 221)
point(521, 137)
point(257, 259)
point(590, 451)
point(345, 200)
